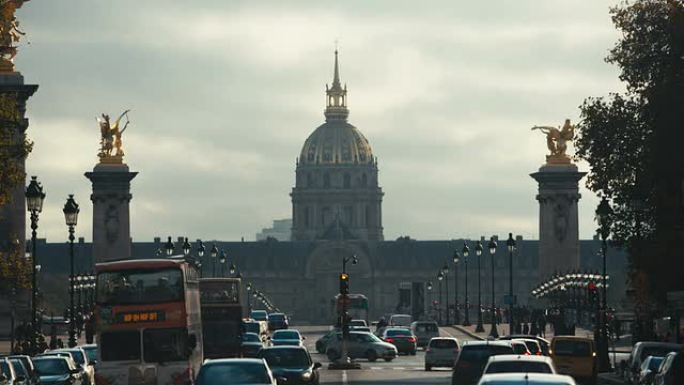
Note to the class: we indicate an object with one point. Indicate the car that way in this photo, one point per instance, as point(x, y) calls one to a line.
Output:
point(259, 315)
point(402, 338)
point(91, 351)
point(322, 342)
point(361, 345)
point(424, 331)
point(575, 356)
point(526, 379)
point(519, 347)
point(643, 349)
point(441, 352)
point(228, 371)
point(28, 364)
point(671, 370)
point(358, 322)
point(516, 363)
point(71, 357)
point(473, 357)
point(251, 344)
point(291, 363)
point(287, 337)
point(543, 342)
point(258, 327)
point(11, 376)
point(400, 320)
point(81, 359)
point(23, 374)
point(649, 368)
point(277, 321)
point(58, 370)
point(533, 345)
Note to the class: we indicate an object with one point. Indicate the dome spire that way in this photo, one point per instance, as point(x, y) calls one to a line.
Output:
point(336, 108)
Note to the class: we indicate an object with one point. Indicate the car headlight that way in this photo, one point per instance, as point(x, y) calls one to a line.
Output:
point(306, 376)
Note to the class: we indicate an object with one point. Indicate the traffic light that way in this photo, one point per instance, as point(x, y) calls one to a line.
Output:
point(344, 283)
point(592, 293)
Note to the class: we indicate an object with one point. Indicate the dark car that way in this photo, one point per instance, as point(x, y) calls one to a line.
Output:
point(58, 370)
point(473, 358)
point(543, 342)
point(291, 364)
point(287, 337)
point(671, 370)
point(259, 315)
point(251, 344)
point(322, 343)
point(28, 365)
point(235, 371)
point(277, 321)
point(402, 338)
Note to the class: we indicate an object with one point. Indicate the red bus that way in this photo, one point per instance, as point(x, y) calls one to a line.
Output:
point(148, 322)
point(222, 313)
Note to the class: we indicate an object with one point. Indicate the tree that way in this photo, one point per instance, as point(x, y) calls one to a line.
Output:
point(633, 141)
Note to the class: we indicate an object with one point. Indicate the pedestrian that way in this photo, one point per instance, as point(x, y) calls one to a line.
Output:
point(60, 344)
point(526, 328)
point(542, 326)
point(534, 329)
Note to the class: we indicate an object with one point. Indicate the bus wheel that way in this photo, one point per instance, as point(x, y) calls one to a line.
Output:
point(371, 355)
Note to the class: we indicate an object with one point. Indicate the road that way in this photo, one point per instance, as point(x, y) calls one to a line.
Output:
point(403, 370)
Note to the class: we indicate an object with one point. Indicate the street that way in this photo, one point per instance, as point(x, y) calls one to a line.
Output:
point(404, 369)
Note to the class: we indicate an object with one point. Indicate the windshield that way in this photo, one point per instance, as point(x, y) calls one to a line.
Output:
point(426, 327)
point(238, 373)
point(91, 352)
point(139, 286)
point(51, 367)
point(224, 292)
point(518, 367)
point(286, 358)
point(251, 337)
point(285, 335)
point(482, 353)
point(77, 355)
point(572, 348)
point(259, 315)
point(653, 363)
point(443, 344)
point(401, 320)
point(398, 332)
point(164, 345)
point(276, 317)
point(120, 346)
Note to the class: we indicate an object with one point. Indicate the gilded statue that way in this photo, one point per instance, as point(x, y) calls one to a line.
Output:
point(9, 33)
point(111, 145)
point(557, 139)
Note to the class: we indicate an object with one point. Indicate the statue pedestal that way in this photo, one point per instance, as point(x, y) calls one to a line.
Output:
point(558, 224)
point(111, 220)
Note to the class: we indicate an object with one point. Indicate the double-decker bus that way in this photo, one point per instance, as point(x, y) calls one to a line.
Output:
point(222, 314)
point(149, 330)
point(357, 306)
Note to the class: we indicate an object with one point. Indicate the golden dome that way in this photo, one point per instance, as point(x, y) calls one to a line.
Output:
point(336, 142)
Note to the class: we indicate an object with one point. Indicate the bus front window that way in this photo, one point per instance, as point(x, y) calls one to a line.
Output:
point(127, 287)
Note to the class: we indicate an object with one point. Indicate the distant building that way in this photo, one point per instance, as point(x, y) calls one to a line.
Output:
point(281, 230)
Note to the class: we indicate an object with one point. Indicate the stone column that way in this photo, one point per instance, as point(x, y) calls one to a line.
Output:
point(111, 220)
point(558, 224)
point(13, 96)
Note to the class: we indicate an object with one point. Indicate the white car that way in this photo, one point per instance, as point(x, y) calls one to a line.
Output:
point(514, 363)
point(441, 351)
point(526, 379)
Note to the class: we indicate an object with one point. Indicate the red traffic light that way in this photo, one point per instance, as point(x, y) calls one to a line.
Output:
point(591, 286)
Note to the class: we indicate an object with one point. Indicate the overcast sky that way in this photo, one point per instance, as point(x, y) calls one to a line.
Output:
point(224, 93)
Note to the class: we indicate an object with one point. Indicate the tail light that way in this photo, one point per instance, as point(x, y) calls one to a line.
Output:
point(428, 350)
point(389, 340)
point(538, 353)
point(412, 339)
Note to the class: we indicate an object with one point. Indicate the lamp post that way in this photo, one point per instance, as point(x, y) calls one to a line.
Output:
point(603, 214)
point(34, 203)
point(428, 286)
point(71, 218)
point(456, 315)
point(249, 301)
point(222, 260)
point(466, 253)
point(353, 260)
point(510, 244)
point(478, 253)
point(440, 277)
point(214, 253)
point(168, 247)
point(200, 253)
point(492, 250)
point(445, 273)
point(232, 269)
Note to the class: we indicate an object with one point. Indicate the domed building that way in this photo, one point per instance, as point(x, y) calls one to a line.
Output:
point(336, 193)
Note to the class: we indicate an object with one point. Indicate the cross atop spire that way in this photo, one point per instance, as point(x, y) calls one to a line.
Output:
point(337, 96)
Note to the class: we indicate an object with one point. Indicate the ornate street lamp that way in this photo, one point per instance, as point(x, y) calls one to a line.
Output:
point(478, 253)
point(222, 260)
point(34, 203)
point(214, 254)
point(428, 287)
point(186, 247)
point(71, 211)
point(232, 269)
point(440, 277)
point(492, 250)
point(249, 302)
point(168, 246)
point(456, 258)
point(445, 274)
point(510, 245)
point(354, 260)
point(603, 216)
point(466, 254)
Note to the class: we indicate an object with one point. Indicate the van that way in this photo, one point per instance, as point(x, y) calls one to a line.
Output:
point(575, 356)
point(400, 320)
point(424, 332)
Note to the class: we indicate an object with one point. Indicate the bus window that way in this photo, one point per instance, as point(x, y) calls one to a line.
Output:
point(120, 346)
point(139, 286)
point(165, 345)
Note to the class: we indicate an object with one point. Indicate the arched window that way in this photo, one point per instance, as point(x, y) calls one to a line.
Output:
point(347, 181)
point(326, 180)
